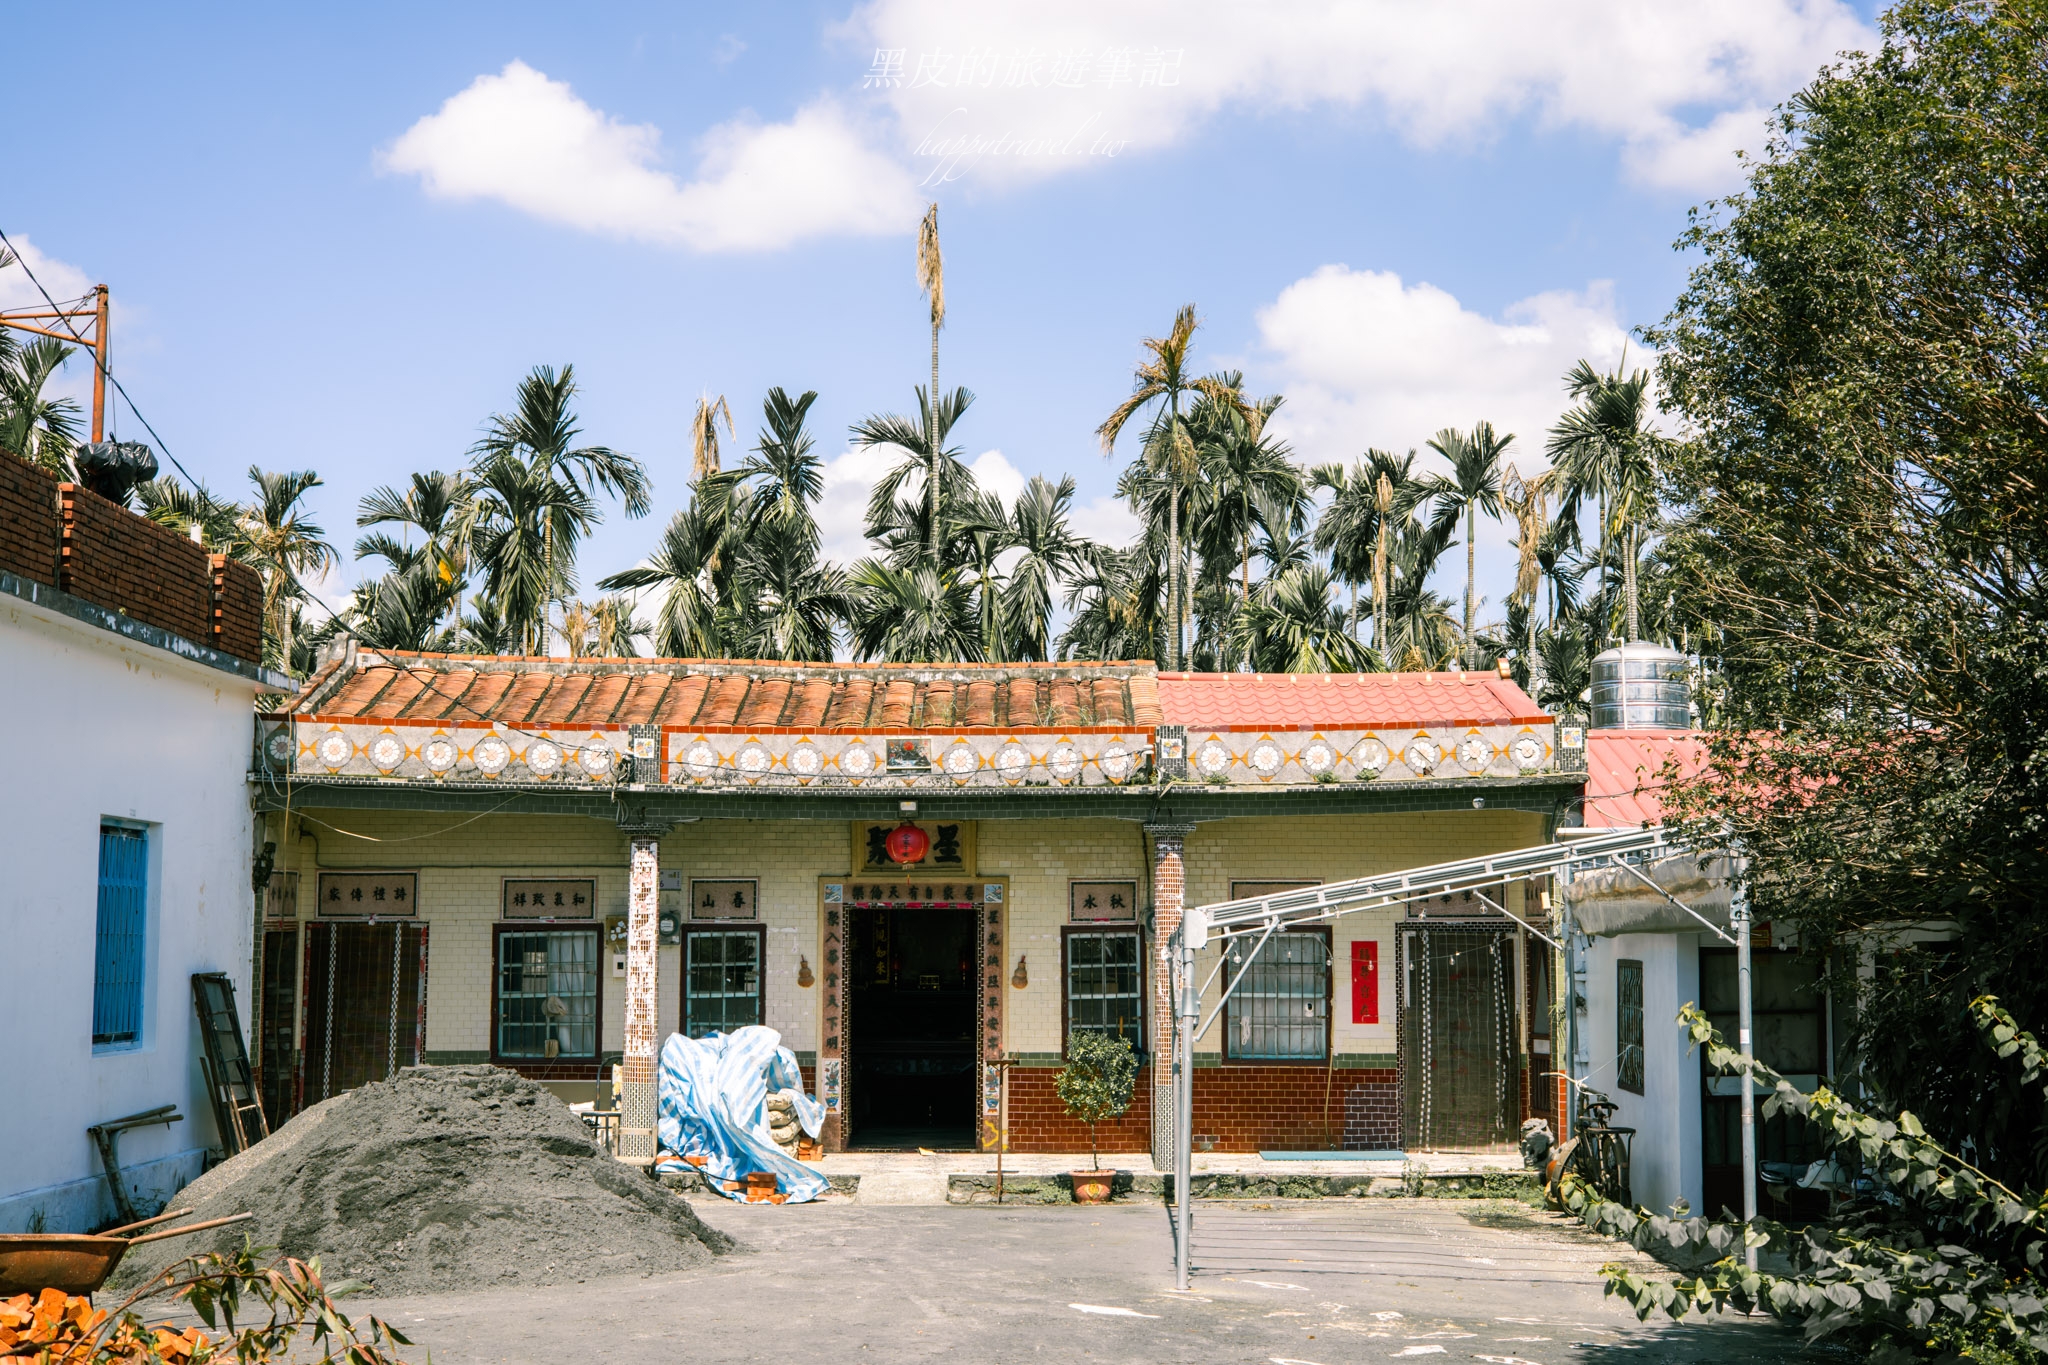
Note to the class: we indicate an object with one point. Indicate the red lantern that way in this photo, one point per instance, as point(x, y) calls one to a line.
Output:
point(908, 844)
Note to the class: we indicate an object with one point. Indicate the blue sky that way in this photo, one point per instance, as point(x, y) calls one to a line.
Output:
point(338, 241)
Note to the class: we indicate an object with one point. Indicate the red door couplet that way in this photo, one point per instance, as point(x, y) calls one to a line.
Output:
point(1365, 982)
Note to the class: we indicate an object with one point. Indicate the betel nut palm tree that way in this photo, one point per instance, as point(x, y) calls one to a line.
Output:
point(1166, 379)
point(1472, 487)
point(1606, 449)
point(931, 281)
point(536, 498)
point(704, 434)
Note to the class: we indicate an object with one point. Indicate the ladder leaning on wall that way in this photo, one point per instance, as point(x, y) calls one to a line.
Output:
point(230, 1083)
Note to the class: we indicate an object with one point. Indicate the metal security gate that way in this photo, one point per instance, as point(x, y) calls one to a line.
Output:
point(366, 1005)
point(1458, 1063)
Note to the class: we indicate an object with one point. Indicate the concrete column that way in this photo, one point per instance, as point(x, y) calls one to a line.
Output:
point(643, 987)
point(1169, 897)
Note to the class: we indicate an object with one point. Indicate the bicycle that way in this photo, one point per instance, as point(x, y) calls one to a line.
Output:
point(1597, 1152)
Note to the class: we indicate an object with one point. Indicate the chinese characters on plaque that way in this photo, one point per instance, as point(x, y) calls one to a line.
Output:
point(950, 849)
point(1090, 901)
point(550, 898)
point(369, 893)
point(724, 900)
point(990, 913)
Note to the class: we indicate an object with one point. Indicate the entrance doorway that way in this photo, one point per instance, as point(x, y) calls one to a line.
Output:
point(1788, 1007)
point(910, 1027)
point(366, 1004)
point(1459, 1086)
point(278, 1053)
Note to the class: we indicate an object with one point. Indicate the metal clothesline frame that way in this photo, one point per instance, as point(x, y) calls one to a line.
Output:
point(1235, 920)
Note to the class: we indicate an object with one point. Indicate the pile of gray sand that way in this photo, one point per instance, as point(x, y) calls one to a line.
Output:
point(443, 1177)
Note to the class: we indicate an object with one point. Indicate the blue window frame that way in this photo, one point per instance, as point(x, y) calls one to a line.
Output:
point(118, 939)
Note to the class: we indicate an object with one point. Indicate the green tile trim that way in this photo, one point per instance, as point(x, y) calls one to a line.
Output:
point(456, 1058)
point(1036, 1059)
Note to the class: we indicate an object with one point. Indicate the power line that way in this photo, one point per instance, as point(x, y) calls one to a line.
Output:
point(104, 370)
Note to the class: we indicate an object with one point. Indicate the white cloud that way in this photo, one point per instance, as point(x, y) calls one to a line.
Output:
point(1367, 360)
point(531, 143)
point(1108, 520)
point(981, 87)
point(997, 475)
point(843, 507)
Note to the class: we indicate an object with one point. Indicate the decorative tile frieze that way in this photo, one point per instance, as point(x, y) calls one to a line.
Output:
point(883, 763)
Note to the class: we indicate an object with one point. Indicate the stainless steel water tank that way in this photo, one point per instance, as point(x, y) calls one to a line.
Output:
point(1641, 686)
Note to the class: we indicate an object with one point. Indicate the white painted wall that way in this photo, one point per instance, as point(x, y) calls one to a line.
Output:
point(98, 725)
point(1666, 1116)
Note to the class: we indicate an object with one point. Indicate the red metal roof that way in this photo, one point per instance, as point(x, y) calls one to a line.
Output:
point(1343, 701)
point(1625, 771)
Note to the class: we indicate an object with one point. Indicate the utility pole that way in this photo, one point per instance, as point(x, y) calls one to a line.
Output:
point(46, 322)
point(1738, 914)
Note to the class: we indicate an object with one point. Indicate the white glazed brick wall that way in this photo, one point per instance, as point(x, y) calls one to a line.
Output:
point(1330, 848)
point(1040, 857)
point(460, 873)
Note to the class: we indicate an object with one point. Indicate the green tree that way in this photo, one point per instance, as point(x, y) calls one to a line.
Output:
point(1357, 528)
point(784, 471)
point(687, 566)
point(286, 546)
point(1048, 552)
point(914, 529)
point(1117, 597)
point(1242, 468)
point(1605, 449)
point(1294, 624)
point(35, 426)
point(1097, 1082)
point(536, 499)
point(1858, 357)
point(1166, 379)
point(1472, 487)
point(913, 615)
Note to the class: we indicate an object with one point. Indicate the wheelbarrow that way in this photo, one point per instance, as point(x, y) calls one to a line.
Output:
point(78, 1263)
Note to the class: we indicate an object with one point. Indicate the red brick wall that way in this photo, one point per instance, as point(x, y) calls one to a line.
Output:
point(1039, 1122)
point(114, 558)
point(80, 543)
point(1294, 1108)
point(29, 521)
point(1237, 1109)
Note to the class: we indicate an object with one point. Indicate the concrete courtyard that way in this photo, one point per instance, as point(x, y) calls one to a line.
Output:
point(1279, 1283)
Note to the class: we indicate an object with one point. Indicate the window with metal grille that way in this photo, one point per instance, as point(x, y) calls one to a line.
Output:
point(1628, 1070)
point(1105, 985)
point(118, 940)
point(547, 994)
point(1280, 1011)
point(721, 980)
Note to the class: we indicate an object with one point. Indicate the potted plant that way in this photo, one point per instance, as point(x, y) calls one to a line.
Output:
point(1095, 1085)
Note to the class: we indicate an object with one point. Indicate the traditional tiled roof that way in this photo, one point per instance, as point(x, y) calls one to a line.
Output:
point(1625, 773)
point(730, 695)
point(1301, 701)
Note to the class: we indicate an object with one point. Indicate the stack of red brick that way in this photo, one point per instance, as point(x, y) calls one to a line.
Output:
point(74, 540)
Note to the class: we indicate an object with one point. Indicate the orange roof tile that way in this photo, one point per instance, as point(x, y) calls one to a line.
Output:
point(741, 694)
